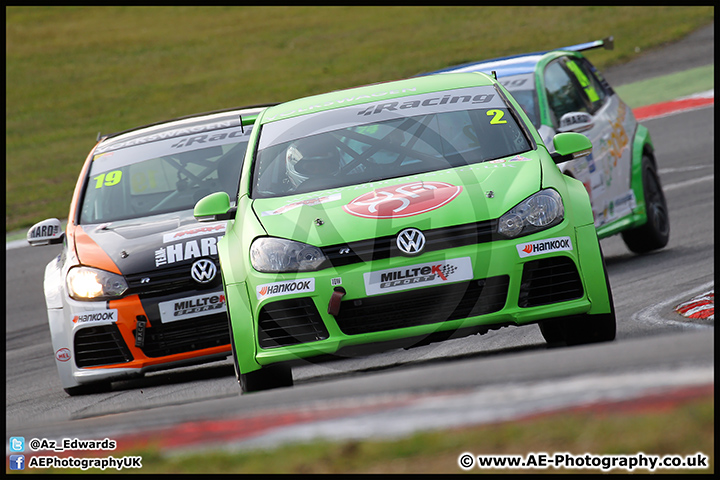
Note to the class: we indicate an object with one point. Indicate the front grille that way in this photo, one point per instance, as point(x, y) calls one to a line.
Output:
point(290, 322)
point(385, 247)
point(100, 345)
point(549, 280)
point(167, 280)
point(186, 335)
point(423, 306)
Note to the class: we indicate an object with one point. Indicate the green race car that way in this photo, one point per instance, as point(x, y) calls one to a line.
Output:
point(399, 214)
point(561, 91)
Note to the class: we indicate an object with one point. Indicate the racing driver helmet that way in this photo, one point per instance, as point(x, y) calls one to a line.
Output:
point(311, 158)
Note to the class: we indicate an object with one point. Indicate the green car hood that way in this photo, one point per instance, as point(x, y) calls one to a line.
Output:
point(432, 200)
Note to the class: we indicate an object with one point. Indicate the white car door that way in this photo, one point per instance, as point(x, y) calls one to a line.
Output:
point(578, 103)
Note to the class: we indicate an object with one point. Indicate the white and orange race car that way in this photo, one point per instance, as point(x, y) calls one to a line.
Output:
point(137, 286)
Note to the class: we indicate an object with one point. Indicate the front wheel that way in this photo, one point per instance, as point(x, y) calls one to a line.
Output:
point(269, 377)
point(582, 329)
point(655, 233)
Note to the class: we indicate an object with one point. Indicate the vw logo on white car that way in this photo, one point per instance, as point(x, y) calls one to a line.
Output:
point(410, 241)
point(203, 271)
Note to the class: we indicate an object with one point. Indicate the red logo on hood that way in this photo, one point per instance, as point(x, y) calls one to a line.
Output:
point(405, 200)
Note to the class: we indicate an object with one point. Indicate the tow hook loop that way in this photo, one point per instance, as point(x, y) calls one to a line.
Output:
point(140, 331)
point(334, 305)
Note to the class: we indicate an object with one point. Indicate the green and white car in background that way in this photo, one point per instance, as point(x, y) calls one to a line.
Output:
point(399, 214)
point(561, 91)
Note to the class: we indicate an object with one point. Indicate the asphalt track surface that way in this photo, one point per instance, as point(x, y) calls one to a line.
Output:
point(502, 375)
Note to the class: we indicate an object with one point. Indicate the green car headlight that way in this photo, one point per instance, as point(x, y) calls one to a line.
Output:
point(85, 283)
point(278, 255)
point(541, 210)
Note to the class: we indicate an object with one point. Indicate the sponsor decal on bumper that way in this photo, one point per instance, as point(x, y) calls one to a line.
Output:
point(63, 355)
point(305, 285)
point(190, 307)
point(540, 247)
point(420, 275)
point(96, 316)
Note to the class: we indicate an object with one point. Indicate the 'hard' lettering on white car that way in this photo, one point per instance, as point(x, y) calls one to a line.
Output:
point(185, 251)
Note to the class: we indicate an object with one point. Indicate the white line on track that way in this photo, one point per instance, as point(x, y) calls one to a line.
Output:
point(650, 314)
point(687, 183)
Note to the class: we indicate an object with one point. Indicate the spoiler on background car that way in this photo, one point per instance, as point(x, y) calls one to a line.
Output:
point(608, 43)
point(101, 136)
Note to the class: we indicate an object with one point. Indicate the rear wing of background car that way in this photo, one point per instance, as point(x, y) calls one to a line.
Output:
point(607, 43)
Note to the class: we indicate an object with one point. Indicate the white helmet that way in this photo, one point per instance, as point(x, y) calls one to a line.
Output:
point(311, 158)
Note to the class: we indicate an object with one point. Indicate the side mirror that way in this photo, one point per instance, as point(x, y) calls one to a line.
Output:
point(576, 122)
point(47, 232)
point(569, 146)
point(215, 206)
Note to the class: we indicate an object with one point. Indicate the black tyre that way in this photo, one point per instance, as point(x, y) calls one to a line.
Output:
point(656, 232)
point(582, 329)
point(89, 388)
point(272, 376)
point(232, 349)
point(553, 331)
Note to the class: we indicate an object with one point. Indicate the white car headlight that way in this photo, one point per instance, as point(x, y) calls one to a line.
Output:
point(542, 210)
point(86, 283)
point(278, 255)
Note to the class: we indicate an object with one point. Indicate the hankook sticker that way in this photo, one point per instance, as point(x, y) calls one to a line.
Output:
point(544, 246)
point(305, 285)
point(96, 316)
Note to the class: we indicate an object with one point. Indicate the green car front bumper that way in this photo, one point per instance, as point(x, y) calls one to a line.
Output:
point(282, 318)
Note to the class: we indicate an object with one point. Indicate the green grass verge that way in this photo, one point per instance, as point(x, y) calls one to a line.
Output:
point(72, 72)
point(668, 87)
point(681, 430)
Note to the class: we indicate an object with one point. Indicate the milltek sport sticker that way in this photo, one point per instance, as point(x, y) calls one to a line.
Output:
point(421, 275)
point(190, 307)
point(305, 285)
point(544, 246)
